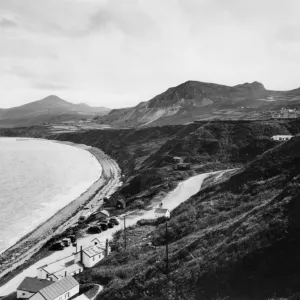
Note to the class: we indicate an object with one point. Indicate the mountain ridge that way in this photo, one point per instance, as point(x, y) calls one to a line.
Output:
point(195, 100)
point(49, 108)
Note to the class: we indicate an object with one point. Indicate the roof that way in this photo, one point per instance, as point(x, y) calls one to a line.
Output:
point(94, 250)
point(161, 210)
point(59, 287)
point(57, 265)
point(105, 212)
point(121, 201)
point(30, 284)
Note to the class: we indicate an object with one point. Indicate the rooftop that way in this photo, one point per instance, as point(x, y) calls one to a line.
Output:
point(30, 284)
point(94, 250)
point(58, 288)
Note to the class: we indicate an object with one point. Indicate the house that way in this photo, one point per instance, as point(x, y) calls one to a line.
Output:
point(286, 114)
point(30, 286)
point(281, 137)
point(93, 254)
point(62, 289)
point(61, 268)
point(178, 160)
point(161, 212)
point(121, 204)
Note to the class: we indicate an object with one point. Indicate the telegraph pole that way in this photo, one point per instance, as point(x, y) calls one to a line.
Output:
point(167, 251)
point(125, 238)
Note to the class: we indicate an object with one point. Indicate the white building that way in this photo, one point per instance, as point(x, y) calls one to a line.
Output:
point(161, 212)
point(30, 286)
point(61, 268)
point(281, 137)
point(62, 289)
point(93, 254)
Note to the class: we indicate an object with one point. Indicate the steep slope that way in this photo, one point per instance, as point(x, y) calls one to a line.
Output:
point(47, 109)
point(237, 239)
point(194, 100)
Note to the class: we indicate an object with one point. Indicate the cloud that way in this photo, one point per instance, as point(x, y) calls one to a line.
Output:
point(7, 23)
point(289, 33)
point(49, 86)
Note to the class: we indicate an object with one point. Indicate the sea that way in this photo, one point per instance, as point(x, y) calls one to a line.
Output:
point(38, 178)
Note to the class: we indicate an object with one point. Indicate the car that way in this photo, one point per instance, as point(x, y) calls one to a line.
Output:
point(114, 220)
point(94, 229)
point(103, 225)
point(66, 242)
point(72, 238)
point(57, 246)
point(110, 225)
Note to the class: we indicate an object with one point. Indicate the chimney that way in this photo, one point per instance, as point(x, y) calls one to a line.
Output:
point(81, 254)
point(65, 273)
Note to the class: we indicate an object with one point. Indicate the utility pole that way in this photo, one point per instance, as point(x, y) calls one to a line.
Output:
point(125, 238)
point(167, 251)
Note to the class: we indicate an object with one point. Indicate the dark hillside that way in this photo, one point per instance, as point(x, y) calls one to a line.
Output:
point(238, 239)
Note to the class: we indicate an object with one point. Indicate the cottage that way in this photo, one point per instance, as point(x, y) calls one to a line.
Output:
point(92, 254)
point(62, 289)
point(121, 204)
point(161, 212)
point(41, 289)
point(60, 268)
point(281, 137)
point(178, 159)
point(30, 286)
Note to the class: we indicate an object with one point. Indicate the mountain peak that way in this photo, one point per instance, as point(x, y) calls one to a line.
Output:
point(255, 86)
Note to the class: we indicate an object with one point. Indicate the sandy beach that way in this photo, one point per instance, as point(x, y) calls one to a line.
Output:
point(30, 244)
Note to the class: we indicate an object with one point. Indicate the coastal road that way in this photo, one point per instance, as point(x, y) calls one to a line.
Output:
point(183, 192)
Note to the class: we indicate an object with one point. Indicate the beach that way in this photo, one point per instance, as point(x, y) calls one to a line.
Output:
point(27, 246)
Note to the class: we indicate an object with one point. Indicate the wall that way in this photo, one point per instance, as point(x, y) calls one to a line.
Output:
point(26, 294)
point(37, 296)
point(91, 261)
point(68, 294)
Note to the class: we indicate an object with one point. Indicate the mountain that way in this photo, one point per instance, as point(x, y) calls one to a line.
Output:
point(49, 109)
point(194, 100)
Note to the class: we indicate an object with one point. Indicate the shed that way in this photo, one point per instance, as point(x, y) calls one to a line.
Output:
point(62, 289)
point(93, 254)
point(281, 137)
point(121, 204)
point(162, 212)
point(30, 286)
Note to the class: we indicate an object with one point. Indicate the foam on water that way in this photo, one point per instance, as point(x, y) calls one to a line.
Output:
point(37, 179)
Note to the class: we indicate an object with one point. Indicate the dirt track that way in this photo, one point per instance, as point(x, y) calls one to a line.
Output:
point(32, 242)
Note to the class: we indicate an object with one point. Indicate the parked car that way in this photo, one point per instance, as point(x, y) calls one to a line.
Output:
point(66, 242)
point(94, 229)
point(110, 225)
point(72, 238)
point(57, 246)
point(84, 215)
point(103, 225)
point(114, 220)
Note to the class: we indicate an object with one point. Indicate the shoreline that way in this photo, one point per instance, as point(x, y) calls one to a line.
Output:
point(16, 255)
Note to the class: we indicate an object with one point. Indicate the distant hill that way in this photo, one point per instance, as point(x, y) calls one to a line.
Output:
point(195, 100)
point(49, 109)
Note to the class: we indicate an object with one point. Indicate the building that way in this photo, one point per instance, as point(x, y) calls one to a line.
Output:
point(161, 212)
point(60, 268)
point(62, 289)
point(37, 289)
point(30, 286)
point(91, 255)
point(281, 137)
point(286, 114)
point(178, 160)
point(101, 215)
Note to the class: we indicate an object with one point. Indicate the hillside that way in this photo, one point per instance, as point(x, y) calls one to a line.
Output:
point(194, 100)
point(236, 239)
point(50, 109)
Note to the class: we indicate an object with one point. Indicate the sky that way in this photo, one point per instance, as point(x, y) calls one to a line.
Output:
point(117, 53)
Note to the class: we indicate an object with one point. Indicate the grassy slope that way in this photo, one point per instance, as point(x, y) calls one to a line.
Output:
point(238, 239)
